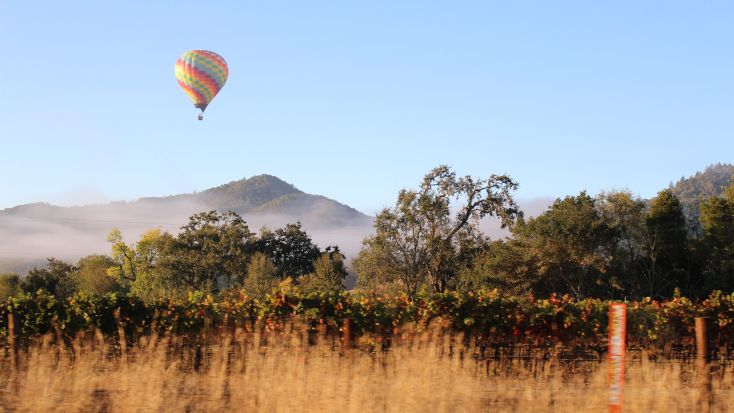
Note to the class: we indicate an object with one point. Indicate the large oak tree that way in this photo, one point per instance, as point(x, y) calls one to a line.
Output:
point(420, 239)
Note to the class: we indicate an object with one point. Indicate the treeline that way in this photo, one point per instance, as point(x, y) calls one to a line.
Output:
point(710, 182)
point(611, 245)
point(213, 254)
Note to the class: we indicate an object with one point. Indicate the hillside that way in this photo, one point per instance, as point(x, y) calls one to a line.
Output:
point(34, 231)
point(244, 195)
point(259, 195)
point(704, 184)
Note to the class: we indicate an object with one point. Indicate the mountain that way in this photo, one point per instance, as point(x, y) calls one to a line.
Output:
point(35, 231)
point(257, 196)
point(245, 195)
point(706, 184)
point(268, 195)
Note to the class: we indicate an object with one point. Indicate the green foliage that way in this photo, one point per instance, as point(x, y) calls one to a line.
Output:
point(666, 264)
point(717, 219)
point(246, 194)
point(36, 312)
point(93, 276)
point(703, 185)
point(418, 243)
point(290, 248)
point(134, 266)
point(10, 286)
point(507, 266)
point(56, 279)
point(625, 215)
point(134, 261)
point(212, 248)
point(612, 245)
point(328, 276)
point(266, 194)
point(213, 254)
point(261, 276)
point(519, 320)
point(568, 245)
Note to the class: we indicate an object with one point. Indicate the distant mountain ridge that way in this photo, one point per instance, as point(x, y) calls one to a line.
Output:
point(32, 232)
point(255, 196)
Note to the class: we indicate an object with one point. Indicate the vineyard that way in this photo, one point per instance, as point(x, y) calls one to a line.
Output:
point(480, 318)
point(344, 352)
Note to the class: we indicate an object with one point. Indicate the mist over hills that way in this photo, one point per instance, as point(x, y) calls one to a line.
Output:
point(33, 231)
point(30, 233)
point(261, 195)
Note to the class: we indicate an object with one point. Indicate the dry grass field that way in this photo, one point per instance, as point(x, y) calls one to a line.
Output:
point(296, 379)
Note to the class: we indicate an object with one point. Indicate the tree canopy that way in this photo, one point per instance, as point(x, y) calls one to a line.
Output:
point(211, 246)
point(290, 248)
point(419, 241)
point(609, 245)
point(711, 182)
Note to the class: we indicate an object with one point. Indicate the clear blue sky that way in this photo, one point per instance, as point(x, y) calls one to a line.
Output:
point(356, 100)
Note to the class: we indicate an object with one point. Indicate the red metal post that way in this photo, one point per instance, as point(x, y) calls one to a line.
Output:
point(617, 349)
point(704, 361)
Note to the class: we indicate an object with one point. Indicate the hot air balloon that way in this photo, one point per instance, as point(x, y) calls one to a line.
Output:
point(201, 74)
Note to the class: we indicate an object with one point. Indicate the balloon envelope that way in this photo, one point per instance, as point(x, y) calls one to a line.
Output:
point(201, 74)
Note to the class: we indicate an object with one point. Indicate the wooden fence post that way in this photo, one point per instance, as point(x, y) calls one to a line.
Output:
point(154, 329)
point(380, 340)
point(321, 339)
point(303, 329)
point(257, 327)
point(347, 335)
point(121, 332)
point(57, 330)
point(472, 343)
point(203, 344)
point(704, 361)
point(14, 336)
point(239, 332)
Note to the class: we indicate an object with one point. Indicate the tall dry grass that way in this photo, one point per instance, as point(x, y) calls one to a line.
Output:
point(288, 378)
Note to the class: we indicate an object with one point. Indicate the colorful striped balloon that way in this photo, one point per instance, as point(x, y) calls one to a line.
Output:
point(201, 74)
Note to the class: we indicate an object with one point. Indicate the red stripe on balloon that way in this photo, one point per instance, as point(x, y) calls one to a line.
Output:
point(204, 78)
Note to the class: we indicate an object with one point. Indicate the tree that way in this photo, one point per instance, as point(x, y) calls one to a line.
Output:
point(665, 264)
point(290, 248)
point(568, 244)
point(507, 266)
point(10, 286)
point(134, 266)
point(55, 279)
point(709, 183)
point(93, 276)
point(625, 215)
point(134, 261)
point(261, 276)
point(417, 241)
point(329, 273)
point(717, 218)
point(210, 248)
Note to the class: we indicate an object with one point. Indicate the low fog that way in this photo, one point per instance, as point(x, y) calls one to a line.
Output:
point(31, 233)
